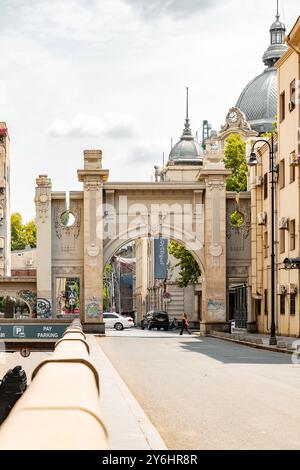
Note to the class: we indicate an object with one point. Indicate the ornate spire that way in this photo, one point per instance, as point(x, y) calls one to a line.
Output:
point(277, 45)
point(187, 132)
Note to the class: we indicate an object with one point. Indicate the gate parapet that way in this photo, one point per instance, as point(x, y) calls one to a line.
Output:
point(60, 409)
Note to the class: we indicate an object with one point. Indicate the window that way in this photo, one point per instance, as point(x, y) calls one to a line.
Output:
point(282, 173)
point(67, 296)
point(282, 304)
point(266, 302)
point(292, 104)
point(282, 241)
point(266, 186)
point(293, 304)
point(277, 37)
point(282, 107)
point(266, 244)
point(258, 307)
point(292, 173)
point(292, 235)
point(109, 315)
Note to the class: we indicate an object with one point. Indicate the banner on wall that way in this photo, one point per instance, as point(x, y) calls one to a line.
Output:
point(160, 258)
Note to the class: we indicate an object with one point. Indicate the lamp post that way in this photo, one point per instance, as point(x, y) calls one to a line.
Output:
point(253, 161)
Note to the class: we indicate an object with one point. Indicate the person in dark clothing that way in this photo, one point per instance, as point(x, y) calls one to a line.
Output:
point(185, 325)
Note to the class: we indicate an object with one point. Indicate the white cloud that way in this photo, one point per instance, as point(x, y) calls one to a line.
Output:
point(180, 8)
point(3, 93)
point(113, 126)
point(96, 70)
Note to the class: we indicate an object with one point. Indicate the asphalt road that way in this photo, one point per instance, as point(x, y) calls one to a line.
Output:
point(203, 393)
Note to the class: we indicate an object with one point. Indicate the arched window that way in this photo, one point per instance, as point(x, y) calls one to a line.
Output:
point(277, 37)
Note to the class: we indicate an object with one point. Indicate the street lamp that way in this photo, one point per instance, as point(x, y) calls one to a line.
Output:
point(253, 161)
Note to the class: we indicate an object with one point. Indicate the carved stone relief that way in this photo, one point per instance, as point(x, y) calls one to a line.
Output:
point(69, 231)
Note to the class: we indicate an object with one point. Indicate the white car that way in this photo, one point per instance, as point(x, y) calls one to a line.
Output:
point(114, 320)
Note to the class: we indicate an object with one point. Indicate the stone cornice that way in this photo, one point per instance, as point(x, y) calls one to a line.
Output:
point(213, 172)
point(101, 175)
point(163, 186)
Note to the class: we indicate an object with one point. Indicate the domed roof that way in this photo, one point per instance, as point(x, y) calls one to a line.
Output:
point(258, 100)
point(186, 150)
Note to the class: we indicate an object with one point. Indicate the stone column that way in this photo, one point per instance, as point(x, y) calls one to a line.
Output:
point(93, 177)
point(44, 249)
point(214, 291)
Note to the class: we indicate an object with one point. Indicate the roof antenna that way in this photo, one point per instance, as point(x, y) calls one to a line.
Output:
point(187, 130)
point(187, 100)
point(171, 143)
point(163, 159)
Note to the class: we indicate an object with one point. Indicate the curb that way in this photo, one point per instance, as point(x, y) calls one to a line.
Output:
point(254, 345)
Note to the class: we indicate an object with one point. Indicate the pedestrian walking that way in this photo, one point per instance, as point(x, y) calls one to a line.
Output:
point(185, 325)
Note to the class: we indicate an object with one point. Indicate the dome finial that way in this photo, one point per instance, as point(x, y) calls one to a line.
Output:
point(187, 129)
point(277, 14)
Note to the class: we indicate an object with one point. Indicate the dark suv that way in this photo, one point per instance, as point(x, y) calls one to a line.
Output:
point(156, 319)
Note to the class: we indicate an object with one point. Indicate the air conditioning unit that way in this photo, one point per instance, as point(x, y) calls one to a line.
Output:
point(281, 290)
point(283, 223)
point(294, 159)
point(29, 262)
point(258, 180)
point(292, 289)
point(262, 218)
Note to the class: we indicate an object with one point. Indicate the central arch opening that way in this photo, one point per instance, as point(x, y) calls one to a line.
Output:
point(153, 274)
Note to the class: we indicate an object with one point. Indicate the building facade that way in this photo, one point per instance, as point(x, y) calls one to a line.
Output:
point(287, 205)
point(5, 266)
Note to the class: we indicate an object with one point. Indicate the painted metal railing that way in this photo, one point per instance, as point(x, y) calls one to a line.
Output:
point(60, 409)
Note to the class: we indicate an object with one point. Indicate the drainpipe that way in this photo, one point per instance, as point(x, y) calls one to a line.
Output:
point(288, 41)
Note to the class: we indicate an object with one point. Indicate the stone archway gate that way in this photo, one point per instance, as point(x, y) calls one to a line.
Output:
point(108, 214)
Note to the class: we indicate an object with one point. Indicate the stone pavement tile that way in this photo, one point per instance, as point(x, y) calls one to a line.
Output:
point(128, 426)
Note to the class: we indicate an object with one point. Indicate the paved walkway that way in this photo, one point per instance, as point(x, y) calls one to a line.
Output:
point(265, 338)
point(286, 344)
point(204, 393)
point(128, 426)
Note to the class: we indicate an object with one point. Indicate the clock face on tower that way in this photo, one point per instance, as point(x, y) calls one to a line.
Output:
point(233, 117)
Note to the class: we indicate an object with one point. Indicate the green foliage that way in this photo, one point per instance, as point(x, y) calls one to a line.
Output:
point(237, 219)
point(65, 218)
point(189, 269)
point(107, 287)
point(267, 135)
point(22, 235)
point(235, 159)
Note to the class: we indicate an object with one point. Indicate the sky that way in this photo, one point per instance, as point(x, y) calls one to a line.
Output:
point(111, 75)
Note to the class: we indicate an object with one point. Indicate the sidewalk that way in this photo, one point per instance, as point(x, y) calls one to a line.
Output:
point(285, 344)
point(128, 426)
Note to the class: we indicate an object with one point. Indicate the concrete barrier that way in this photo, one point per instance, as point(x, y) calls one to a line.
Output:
point(60, 409)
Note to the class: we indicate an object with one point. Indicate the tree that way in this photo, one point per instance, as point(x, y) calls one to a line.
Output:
point(235, 160)
point(22, 235)
point(189, 268)
point(107, 287)
point(30, 231)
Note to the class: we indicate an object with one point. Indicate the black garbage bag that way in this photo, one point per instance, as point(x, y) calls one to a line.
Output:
point(12, 387)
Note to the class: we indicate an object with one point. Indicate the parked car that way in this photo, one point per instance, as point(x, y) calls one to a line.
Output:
point(156, 319)
point(114, 320)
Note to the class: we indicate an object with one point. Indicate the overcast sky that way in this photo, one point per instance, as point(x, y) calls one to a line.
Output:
point(111, 74)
